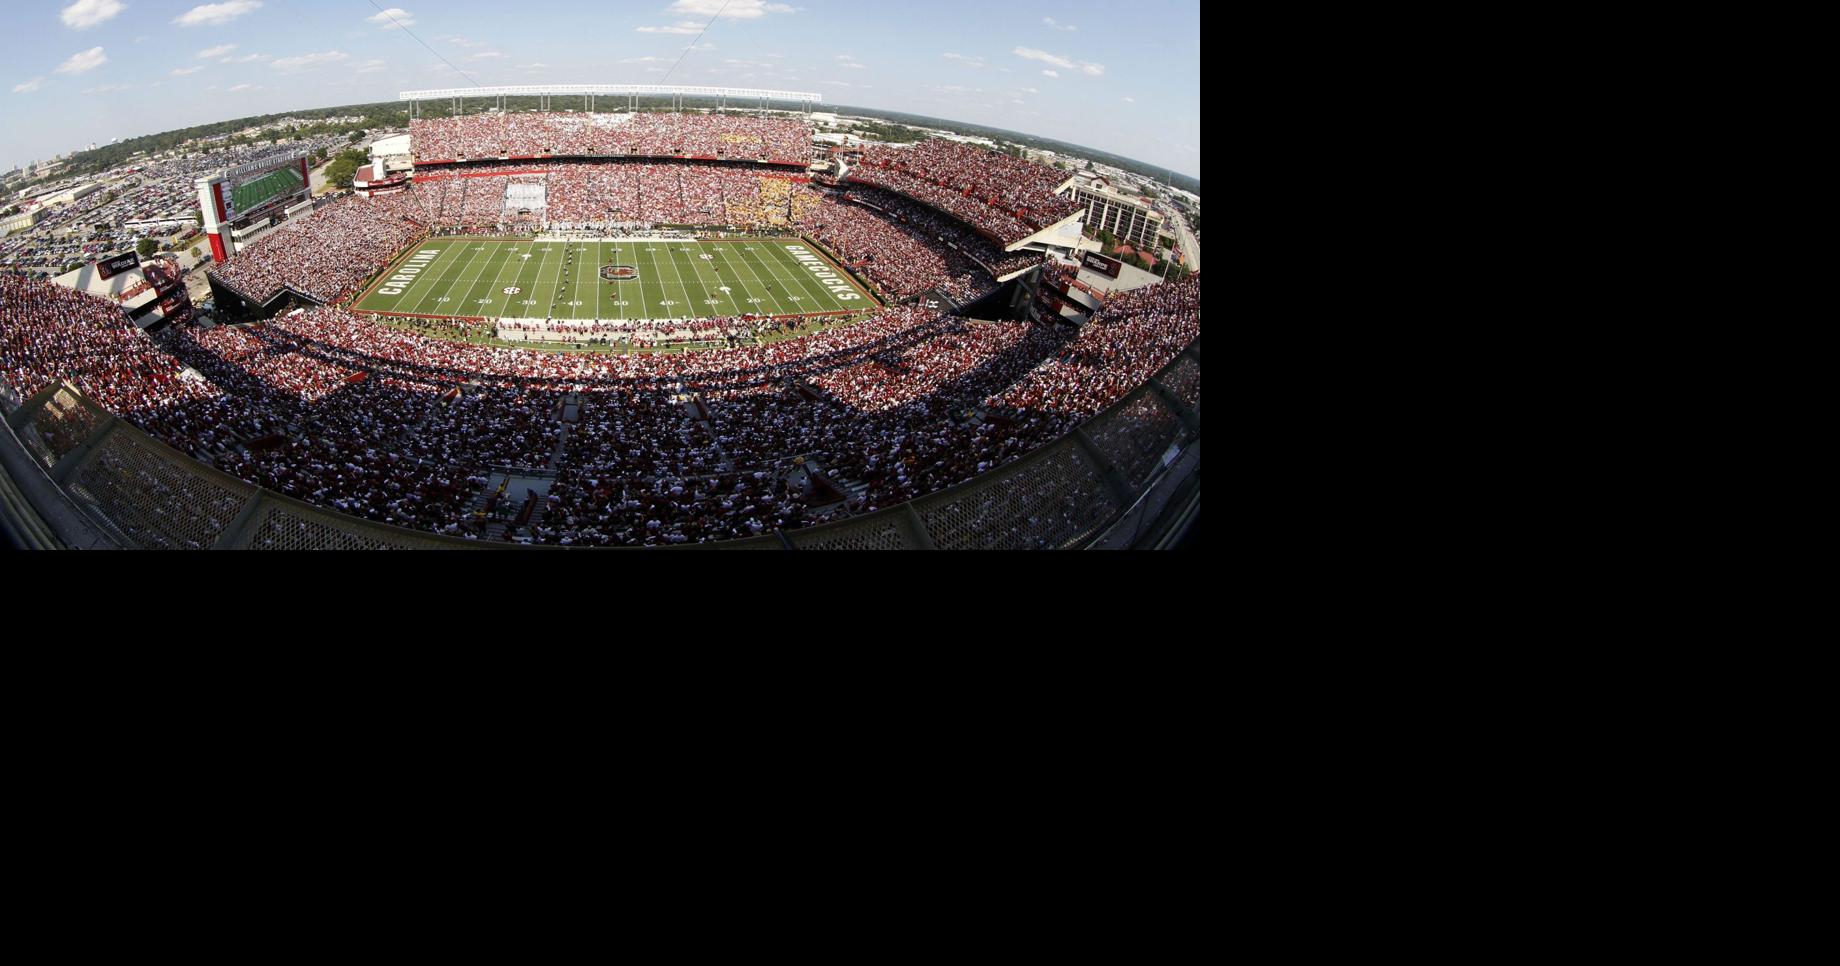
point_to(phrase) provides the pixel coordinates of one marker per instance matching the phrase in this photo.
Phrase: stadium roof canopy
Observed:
(520, 90)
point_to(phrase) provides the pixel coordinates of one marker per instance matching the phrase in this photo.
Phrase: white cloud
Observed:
(685, 27)
(87, 13)
(463, 42)
(1050, 73)
(1030, 53)
(392, 18)
(487, 55)
(249, 87)
(1050, 21)
(644, 60)
(1130, 100)
(212, 14)
(108, 88)
(182, 71)
(309, 60)
(245, 59)
(701, 47)
(1064, 63)
(87, 60)
(29, 86)
(371, 67)
(731, 10)
(217, 51)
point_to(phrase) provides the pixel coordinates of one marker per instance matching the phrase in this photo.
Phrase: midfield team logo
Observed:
(619, 273)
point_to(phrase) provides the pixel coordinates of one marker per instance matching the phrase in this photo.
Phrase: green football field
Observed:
(613, 279)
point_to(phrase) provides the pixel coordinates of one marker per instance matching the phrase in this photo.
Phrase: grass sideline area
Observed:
(628, 278)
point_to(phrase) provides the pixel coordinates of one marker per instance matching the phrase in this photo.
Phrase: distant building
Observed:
(1129, 219)
(24, 219)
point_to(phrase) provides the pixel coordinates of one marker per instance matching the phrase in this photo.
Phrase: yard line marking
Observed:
(494, 292)
(439, 287)
(465, 302)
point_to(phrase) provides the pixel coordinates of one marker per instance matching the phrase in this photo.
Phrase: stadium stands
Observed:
(689, 135)
(326, 255)
(1006, 198)
(397, 427)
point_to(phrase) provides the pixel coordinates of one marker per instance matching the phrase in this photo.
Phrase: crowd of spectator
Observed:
(327, 254)
(568, 134)
(51, 332)
(898, 258)
(578, 196)
(399, 427)
(1134, 335)
(1005, 197)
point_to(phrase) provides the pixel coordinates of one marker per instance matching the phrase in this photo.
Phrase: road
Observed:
(1191, 246)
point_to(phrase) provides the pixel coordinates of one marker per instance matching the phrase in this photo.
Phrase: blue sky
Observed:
(1124, 78)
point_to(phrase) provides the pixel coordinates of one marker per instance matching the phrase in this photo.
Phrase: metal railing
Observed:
(145, 494)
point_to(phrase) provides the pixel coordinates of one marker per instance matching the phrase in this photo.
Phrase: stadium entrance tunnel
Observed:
(233, 306)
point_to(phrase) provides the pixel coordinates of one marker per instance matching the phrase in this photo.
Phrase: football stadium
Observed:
(568, 315)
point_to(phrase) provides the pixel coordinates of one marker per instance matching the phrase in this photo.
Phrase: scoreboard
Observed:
(235, 196)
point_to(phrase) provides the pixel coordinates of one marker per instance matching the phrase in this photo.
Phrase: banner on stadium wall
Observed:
(1108, 267)
(110, 267)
